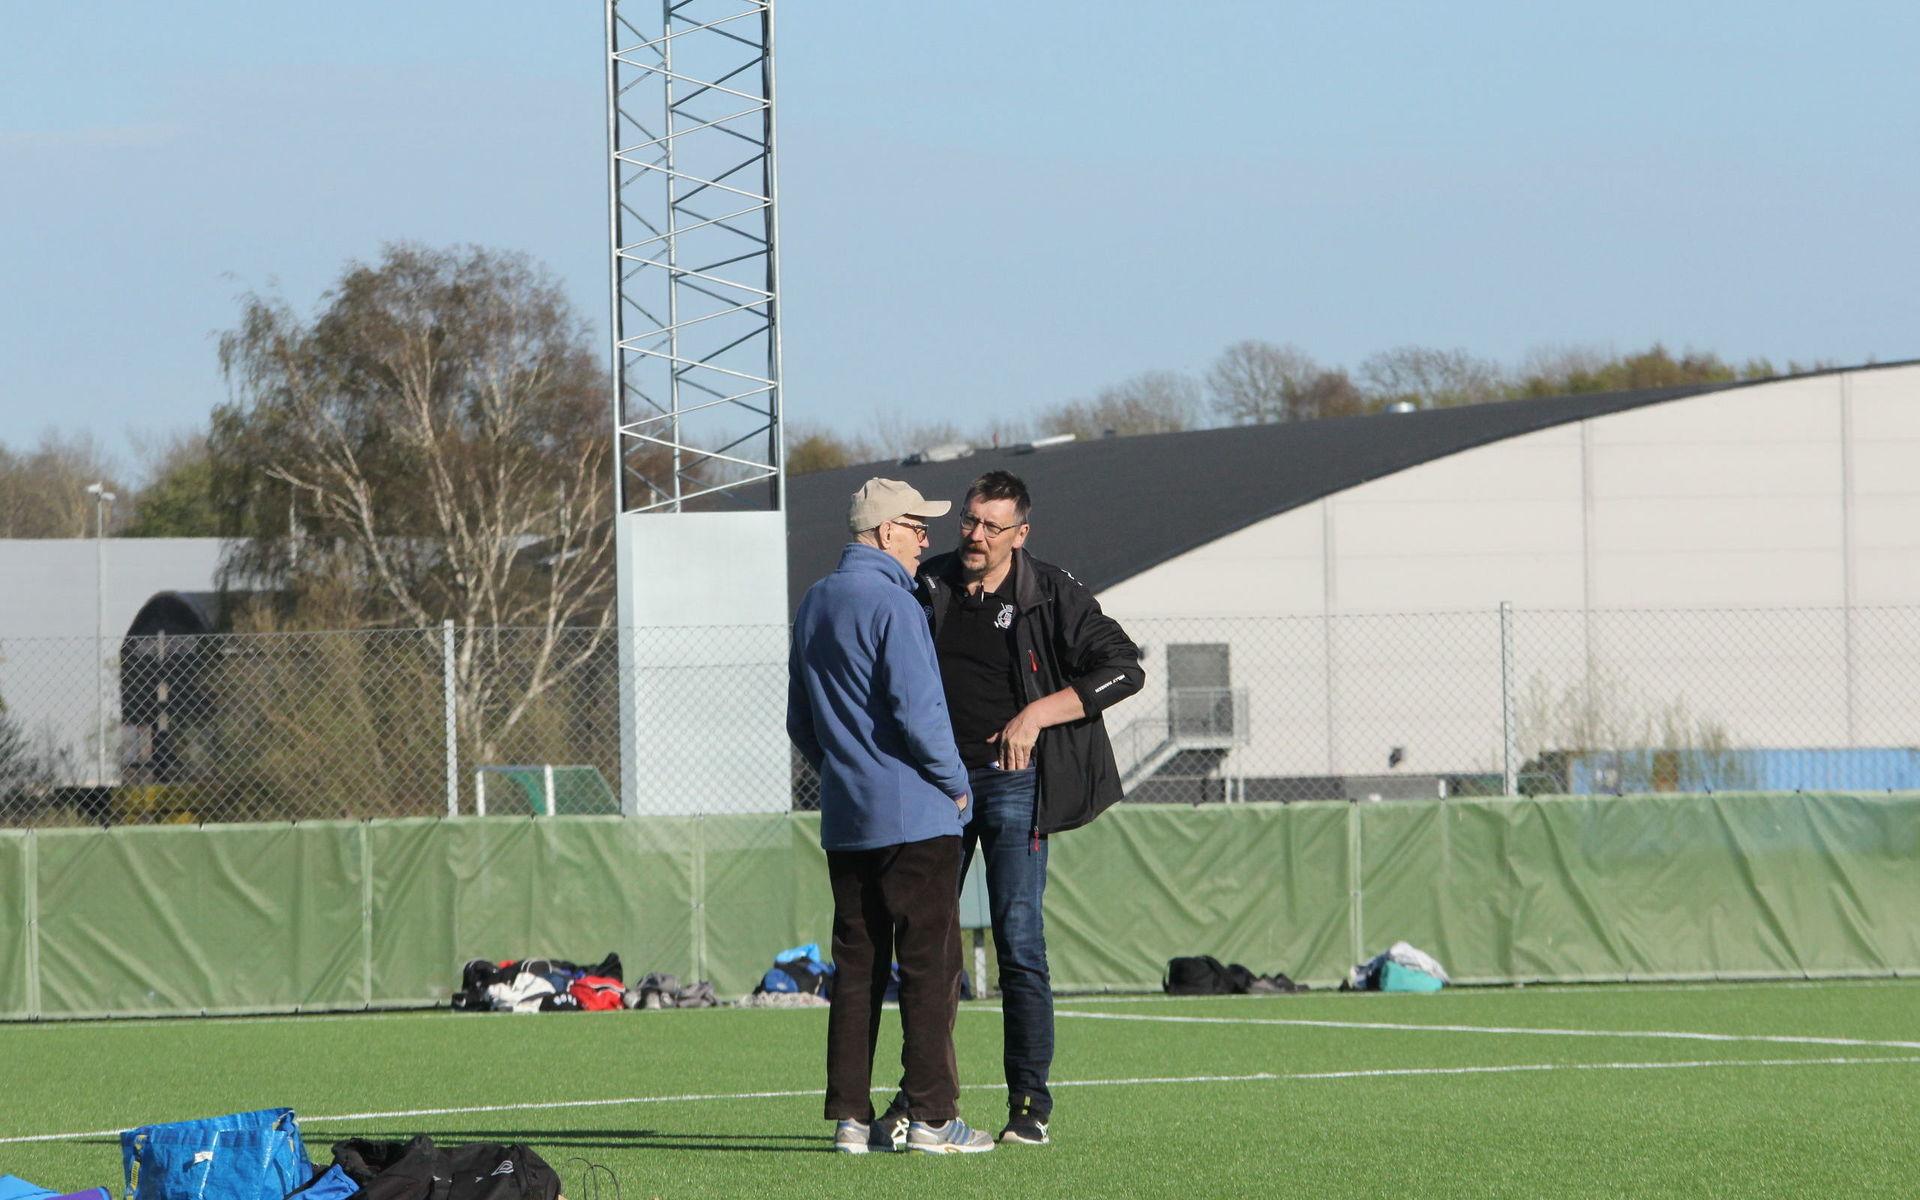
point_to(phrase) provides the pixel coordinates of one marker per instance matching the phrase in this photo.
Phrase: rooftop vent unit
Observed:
(946, 452)
(1058, 439)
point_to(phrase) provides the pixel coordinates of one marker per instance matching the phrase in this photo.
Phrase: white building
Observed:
(61, 621)
(1704, 569)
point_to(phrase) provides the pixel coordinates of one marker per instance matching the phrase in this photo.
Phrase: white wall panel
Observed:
(1885, 704)
(1886, 405)
(1684, 469)
(1269, 568)
(1534, 466)
(1715, 524)
(1682, 578)
(1732, 501)
(1370, 528)
(1454, 582)
(1797, 410)
(1428, 684)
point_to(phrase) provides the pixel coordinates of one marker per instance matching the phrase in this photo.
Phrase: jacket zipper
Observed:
(1033, 831)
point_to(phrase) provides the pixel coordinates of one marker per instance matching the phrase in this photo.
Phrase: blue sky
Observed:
(986, 206)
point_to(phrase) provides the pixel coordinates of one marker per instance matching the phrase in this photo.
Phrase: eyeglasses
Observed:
(923, 532)
(969, 523)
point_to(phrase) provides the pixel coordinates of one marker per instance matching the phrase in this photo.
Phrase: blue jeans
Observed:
(1001, 828)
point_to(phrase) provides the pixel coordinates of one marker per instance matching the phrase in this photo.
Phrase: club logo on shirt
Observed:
(1005, 619)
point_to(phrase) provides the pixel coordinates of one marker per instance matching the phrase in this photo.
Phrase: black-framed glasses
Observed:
(969, 523)
(923, 532)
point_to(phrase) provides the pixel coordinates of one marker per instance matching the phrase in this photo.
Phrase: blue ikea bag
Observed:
(242, 1156)
(12, 1187)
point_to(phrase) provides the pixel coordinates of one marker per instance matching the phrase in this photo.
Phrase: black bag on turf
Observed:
(420, 1170)
(1200, 975)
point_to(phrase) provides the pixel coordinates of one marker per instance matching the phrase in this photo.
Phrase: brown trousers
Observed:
(897, 902)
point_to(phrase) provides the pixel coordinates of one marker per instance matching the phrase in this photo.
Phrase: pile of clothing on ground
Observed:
(799, 978)
(260, 1156)
(1205, 975)
(1399, 968)
(556, 985)
(662, 990)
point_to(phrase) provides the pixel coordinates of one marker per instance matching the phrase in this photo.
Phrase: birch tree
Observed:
(433, 442)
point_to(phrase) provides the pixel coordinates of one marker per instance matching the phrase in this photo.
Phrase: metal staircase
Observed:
(1189, 740)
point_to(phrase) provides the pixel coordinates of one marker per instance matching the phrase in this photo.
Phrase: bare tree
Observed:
(1003, 431)
(1328, 394)
(895, 435)
(43, 492)
(1631, 740)
(1256, 383)
(436, 441)
(813, 448)
(1552, 370)
(1150, 402)
(1430, 378)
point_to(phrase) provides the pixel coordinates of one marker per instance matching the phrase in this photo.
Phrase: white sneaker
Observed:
(947, 1137)
(852, 1137)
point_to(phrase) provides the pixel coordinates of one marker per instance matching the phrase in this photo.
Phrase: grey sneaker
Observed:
(947, 1137)
(890, 1131)
(852, 1137)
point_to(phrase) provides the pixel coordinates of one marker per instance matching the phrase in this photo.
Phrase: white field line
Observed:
(441, 1013)
(1511, 989)
(1387, 1072)
(189, 1021)
(1139, 1081)
(1402, 1026)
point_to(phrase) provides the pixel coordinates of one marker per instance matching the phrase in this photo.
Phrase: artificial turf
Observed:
(1252, 1098)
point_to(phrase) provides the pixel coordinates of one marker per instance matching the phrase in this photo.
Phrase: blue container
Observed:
(1858, 769)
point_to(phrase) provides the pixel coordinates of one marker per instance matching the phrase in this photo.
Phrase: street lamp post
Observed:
(102, 503)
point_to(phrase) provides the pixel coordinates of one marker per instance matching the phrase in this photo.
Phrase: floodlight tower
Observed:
(700, 477)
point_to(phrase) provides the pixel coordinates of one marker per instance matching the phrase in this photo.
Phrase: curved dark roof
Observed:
(177, 613)
(1111, 509)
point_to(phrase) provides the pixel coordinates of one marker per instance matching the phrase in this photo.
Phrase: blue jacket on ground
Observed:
(865, 706)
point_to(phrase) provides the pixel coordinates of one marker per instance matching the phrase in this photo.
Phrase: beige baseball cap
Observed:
(881, 500)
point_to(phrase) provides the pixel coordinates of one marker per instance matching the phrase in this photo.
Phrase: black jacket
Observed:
(1061, 639)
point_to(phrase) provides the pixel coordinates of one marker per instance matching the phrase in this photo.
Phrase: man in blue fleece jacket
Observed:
(865, 706)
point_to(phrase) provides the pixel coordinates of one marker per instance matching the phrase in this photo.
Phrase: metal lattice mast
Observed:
(696, 359)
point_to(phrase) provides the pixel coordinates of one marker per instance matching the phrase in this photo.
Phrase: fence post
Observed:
(31, 907)
(698, 926)
(1356, 901)
(453, 737)
(1510, 767)
(366, 915)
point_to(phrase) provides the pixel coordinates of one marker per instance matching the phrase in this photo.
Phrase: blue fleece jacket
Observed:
(865, 706)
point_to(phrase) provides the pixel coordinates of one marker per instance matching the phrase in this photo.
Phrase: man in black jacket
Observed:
(1028, 662)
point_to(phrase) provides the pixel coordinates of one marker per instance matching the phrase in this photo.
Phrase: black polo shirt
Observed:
(976, 669)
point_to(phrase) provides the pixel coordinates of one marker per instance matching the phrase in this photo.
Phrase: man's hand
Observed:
(960, 802)
(1017, 739)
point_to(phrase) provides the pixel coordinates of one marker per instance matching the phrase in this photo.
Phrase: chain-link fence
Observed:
(257, 727)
